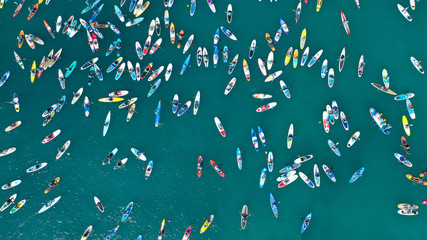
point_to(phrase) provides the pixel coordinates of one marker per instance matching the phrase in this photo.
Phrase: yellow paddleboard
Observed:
(288, 56)
(406, 125)
(270, 42)
(415, 179)
(406, 205)
(246, 70)
(295, 58)
(319, 5)
(21, 35)
(130, 112)
(142, 10)
(111, 99)
(51, 187)
(162, 230)
(207, 224)
(33, 72)
(181, 33)
(303, 38)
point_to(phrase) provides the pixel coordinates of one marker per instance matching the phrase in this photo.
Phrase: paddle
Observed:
(343, 23)
(344, 58)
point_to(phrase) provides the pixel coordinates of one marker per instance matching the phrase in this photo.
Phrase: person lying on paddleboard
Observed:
(52, 184)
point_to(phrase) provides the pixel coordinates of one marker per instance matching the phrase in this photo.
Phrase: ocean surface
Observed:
(366, 209)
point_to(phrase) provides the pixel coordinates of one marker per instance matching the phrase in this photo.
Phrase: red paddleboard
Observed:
(199, 166)
(405, 145)
(217, 168)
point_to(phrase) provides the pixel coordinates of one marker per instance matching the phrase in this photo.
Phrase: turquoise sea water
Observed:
(365, 209)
